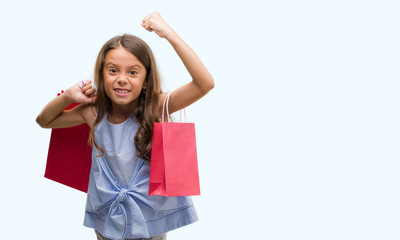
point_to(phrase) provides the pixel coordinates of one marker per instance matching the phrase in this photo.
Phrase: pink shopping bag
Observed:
(173, 166)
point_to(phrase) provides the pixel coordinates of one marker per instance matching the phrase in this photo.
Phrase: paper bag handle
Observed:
(165, 105)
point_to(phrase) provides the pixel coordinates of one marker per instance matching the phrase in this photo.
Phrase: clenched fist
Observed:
(154, 22)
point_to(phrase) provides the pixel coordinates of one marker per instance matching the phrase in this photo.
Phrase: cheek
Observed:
(137, 84)
(109, 80)
(108, 85)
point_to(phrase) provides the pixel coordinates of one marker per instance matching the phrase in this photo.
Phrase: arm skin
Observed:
(202, 81)
(53, 114)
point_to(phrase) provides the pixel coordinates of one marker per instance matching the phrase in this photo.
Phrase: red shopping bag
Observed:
(173, 166)
(69, 156)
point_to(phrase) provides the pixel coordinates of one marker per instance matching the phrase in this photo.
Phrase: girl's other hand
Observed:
(154, 22)
(86, 94)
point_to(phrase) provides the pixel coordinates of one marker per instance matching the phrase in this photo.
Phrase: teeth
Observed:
(122, 91)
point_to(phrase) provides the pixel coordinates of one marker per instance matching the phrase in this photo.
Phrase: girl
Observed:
(121, 114)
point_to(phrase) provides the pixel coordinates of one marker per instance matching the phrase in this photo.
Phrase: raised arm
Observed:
(53, 114)
(202, 81)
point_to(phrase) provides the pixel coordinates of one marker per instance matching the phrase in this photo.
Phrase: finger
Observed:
(89, 98)
(90, 92)
(145, 19)
(147, 26)
(86, 82)
(87, 87)
(94, 99)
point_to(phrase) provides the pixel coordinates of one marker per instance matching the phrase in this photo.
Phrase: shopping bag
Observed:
(69, 156)
(173, 165)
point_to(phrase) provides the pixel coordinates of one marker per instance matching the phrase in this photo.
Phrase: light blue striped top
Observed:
(118, 205)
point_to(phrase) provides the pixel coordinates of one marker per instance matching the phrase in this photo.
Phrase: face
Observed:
(124, 76)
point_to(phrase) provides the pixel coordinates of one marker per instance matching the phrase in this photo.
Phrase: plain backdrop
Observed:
(299, 139)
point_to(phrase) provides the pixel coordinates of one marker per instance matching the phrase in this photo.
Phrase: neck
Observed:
(119, 113)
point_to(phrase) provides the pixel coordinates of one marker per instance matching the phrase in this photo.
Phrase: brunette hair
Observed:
(147, 106)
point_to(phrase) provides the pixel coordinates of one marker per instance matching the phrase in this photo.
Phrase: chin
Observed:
(123, 102)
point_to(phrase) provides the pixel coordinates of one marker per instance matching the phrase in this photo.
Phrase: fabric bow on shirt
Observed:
(116, 222)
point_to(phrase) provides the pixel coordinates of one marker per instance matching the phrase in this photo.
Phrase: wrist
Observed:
(171, 36)
(68, 96)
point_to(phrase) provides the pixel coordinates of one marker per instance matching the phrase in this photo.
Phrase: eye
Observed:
(112, 70)
(132, 72)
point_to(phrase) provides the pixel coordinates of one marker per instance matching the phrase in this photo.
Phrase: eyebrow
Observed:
(136, 65)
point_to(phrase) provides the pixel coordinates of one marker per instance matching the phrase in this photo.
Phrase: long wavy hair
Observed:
(147, 106)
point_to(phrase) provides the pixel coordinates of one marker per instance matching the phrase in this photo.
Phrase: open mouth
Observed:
(122, 92)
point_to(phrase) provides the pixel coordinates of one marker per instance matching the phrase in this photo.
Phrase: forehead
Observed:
(121, 57)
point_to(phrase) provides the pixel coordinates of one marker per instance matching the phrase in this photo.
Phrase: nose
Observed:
(122, 79)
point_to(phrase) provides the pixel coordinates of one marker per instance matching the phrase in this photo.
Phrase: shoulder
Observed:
(88, 112)
(160, 103)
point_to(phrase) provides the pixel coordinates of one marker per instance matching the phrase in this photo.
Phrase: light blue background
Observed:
(298, 140)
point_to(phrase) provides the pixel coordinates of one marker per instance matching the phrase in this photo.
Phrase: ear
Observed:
(144, 86)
